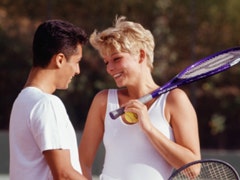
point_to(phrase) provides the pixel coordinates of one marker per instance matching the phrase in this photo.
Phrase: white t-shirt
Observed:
(38, 122)
(129, 153)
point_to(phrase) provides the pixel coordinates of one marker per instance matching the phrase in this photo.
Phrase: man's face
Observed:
(69, 69)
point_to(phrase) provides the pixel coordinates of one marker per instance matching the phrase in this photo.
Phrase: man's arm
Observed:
(60, 165)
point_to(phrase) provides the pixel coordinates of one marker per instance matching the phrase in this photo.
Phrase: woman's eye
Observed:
(117, 58)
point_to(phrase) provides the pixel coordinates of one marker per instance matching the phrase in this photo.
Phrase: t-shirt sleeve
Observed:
(48, 123)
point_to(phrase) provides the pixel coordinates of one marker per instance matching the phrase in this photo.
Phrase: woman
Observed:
(166, 134)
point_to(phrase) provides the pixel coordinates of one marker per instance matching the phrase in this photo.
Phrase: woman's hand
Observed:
(140, 109)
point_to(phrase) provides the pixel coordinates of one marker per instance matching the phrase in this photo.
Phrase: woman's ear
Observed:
(142, 55)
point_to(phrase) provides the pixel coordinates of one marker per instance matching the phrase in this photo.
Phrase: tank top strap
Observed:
(112, 96)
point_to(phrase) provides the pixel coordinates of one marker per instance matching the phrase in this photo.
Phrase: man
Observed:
(43, 142)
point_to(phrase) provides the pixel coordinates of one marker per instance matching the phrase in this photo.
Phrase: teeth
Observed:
(117, 75)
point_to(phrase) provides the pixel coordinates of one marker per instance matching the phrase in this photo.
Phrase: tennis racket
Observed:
(208, 169)
(203, 68)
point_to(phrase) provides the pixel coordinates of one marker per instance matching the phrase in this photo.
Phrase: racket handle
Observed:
(116, 113)
(146, 98)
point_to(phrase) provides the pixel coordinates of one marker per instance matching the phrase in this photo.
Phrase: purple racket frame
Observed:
(178, 80)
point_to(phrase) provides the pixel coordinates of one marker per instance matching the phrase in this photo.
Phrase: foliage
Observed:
(184, 31)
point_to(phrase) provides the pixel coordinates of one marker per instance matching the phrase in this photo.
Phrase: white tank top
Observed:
(129, 153)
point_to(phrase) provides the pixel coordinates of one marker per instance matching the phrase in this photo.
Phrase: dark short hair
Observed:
(53, 37)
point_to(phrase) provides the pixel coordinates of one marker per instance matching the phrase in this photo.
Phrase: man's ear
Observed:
(59, 59)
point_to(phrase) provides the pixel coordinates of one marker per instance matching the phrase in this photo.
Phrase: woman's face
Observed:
(123, 67)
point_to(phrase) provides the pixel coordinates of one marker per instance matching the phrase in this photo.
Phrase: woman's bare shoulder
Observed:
(176, 95)
(101, 95)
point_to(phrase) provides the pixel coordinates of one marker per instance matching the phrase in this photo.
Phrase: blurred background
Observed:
(184, 30)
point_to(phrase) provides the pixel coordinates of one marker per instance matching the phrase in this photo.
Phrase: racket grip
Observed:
(116, 113)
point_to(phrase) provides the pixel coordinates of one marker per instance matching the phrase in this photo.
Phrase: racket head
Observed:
(211, 169)
(211, 65)
(201, 69)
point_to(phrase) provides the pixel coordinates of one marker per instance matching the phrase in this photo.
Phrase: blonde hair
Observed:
(124, 36)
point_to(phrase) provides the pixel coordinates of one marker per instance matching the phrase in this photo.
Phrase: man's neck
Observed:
(41, 78)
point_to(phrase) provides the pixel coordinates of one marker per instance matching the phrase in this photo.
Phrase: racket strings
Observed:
(211, 64)
(216, 171)
(207, 171)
